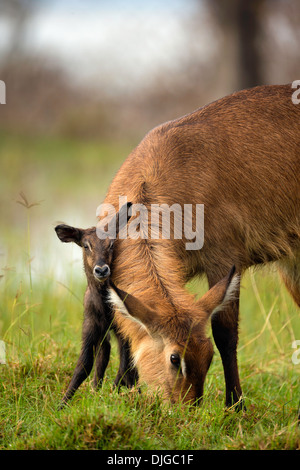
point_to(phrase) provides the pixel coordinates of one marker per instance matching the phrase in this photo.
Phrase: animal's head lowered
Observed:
(174, 358)
(97, 252)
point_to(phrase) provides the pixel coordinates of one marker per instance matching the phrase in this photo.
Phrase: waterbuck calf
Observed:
(240, 158)
(98, 315)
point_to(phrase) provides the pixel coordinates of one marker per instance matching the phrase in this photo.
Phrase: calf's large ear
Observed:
(120, 219)
(67, 234)
(124, 210)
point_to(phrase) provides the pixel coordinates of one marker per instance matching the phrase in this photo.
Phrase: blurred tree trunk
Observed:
(249, 33)
(240, 22)
(17, 12)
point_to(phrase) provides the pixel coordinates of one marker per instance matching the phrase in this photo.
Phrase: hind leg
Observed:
(102, 360)
(127, 374)
(290, 273)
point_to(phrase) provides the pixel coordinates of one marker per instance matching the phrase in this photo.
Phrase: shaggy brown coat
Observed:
(240, 157)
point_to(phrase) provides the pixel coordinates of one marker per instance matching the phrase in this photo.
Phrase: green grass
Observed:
(40, 322)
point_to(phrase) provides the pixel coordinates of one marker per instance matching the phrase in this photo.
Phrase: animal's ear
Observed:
(221, 294)
(135, 309)
(121, 219)
(69, 234)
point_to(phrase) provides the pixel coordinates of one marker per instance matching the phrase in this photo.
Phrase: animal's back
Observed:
(240, 157)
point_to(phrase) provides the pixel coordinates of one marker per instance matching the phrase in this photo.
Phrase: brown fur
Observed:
(240, 157)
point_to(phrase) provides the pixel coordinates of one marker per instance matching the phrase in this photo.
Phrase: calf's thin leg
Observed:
(102, 359)
(127, 374)
(91, 335)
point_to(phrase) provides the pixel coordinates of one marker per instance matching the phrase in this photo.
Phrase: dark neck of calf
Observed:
(96, 305)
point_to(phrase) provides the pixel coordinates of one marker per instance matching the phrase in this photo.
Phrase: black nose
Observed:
(101, 272)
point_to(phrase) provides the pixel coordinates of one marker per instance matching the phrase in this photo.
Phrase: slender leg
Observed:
(102, 359)
(90, 338)
(127, 374)
(225, 333)
(290, 273)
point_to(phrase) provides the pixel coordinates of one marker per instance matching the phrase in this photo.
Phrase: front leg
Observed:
(92, 332)
(225, 333)
(90, 338)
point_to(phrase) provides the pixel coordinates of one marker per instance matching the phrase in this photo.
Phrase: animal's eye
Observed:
(175, 360)
(86, 246)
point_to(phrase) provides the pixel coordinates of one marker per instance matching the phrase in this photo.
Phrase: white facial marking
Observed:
(183, 367)
(137, 354)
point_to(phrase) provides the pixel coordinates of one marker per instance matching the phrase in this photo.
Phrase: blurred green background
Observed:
(85, 80)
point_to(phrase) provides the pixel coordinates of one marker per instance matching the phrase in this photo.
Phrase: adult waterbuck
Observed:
(240, 158)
